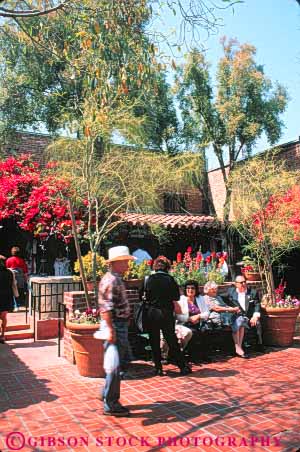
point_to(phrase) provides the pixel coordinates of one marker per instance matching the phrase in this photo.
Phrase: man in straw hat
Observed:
(115, 312)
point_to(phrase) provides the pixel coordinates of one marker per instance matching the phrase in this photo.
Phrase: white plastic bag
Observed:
(111, 358)
(103, 332)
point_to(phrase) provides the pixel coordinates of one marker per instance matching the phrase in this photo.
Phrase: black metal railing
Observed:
(62, 314)
(46, 297)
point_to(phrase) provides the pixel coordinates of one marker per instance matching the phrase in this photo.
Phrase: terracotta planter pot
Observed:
(133, 283)
(279, 325)
(88, 351)
(252, 276)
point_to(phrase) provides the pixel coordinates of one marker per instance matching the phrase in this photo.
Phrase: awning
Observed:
(172, 220)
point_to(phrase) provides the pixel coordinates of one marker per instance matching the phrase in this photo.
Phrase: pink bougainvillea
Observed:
(35, 199)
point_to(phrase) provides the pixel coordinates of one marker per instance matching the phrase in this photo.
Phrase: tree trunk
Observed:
(227, 235)
(94, 263)
(78, 252)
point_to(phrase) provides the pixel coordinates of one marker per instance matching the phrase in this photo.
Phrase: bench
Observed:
(218, 340)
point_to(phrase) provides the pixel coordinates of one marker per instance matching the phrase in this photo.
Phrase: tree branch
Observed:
(5, 12)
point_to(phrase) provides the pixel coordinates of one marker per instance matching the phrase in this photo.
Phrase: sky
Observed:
(273, 27)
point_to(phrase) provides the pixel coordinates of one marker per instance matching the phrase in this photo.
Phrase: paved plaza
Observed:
(227, 405)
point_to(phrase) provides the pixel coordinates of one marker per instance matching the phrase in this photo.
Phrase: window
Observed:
(174, 203)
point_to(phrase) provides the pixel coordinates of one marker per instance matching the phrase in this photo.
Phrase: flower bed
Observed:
(199, 268)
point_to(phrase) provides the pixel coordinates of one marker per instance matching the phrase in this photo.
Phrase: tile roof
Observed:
(172, 220)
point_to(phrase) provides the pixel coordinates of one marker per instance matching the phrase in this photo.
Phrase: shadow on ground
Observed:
(19, 386)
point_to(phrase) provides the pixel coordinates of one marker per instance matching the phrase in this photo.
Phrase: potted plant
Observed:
(136, 273)
(197, 268)
(250, 269)
(279, 318)
(88, 351)
(267, 211)
(87, 262)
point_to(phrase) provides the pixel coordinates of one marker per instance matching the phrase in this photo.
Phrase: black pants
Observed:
(161, 320)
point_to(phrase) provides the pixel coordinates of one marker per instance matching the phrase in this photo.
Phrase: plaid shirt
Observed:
(112, 296)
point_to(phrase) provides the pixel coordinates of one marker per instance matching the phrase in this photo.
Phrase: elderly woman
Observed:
(220, 313)
(223, 314)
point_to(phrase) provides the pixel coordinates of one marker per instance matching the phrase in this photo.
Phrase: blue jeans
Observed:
(111, 390)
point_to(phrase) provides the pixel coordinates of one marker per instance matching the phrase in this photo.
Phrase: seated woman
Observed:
(194, 311)
(222, 314)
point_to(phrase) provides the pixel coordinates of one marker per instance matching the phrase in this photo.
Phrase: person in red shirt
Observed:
(15, 261)
(18, 265)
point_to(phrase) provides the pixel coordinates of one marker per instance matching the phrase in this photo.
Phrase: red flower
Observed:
(199, 257)
(179, 257)
(189, 249)
(208, 259)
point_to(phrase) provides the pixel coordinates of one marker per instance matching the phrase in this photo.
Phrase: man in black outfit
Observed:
(162, 293)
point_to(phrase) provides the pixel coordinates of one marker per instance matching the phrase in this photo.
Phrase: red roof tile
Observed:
(172, 220)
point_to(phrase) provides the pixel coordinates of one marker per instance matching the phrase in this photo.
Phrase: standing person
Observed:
(8, 289)
(140, 254)
(115, 312)
(62, 265)
(162, 293)
(20, 269)
(246, 299)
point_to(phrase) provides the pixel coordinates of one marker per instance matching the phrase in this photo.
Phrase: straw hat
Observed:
(119, 253)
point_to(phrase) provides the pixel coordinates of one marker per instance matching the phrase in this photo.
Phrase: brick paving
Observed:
(228, 400)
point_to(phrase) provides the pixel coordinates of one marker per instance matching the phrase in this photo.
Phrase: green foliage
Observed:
(215, 276)
(58, 60)
(160, 233)
(245, 105)
(87, 261)
(137, 271)
(250, 262)
(181, 273)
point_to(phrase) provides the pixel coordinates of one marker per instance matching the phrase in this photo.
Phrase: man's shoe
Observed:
(185, 370)
(119, 411)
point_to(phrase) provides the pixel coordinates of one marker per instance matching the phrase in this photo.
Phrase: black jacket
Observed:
(162, 290)
(252, 303)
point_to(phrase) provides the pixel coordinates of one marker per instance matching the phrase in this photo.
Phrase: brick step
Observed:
(17, 335)
(17, 327)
